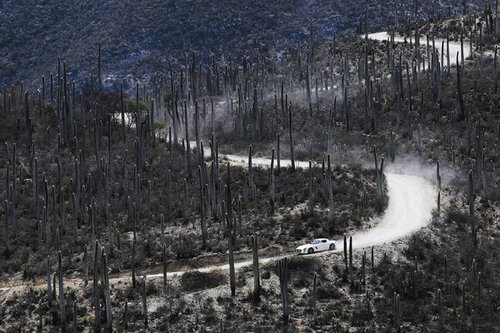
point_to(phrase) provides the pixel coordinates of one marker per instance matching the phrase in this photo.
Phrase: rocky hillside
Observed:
(141, 37)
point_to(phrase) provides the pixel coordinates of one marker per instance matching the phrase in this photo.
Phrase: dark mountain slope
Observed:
(140, 37)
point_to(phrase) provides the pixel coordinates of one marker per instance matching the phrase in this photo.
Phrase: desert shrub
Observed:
(196, 280)
(186, 247)
(459, 218)
(304, 264)
(328, 291)
(417, 246)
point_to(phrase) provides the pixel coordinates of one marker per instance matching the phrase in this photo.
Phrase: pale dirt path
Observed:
(455, 47)
(411, 200)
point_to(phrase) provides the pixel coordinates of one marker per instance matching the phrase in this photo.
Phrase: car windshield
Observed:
(316, 241)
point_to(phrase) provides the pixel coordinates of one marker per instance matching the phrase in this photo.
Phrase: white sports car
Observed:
(317, 245)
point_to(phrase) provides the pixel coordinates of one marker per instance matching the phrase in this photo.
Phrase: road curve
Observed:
(411, 200)
(454, 47)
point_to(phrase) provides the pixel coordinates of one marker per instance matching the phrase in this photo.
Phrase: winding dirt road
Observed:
(411, 200)
(454, 47)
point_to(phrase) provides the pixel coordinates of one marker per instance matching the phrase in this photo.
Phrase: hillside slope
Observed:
(140, 37)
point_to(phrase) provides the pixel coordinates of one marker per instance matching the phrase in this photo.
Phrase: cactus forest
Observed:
(159, 177)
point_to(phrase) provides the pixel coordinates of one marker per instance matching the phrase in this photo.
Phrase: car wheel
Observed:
(311, 250)
(332, 247)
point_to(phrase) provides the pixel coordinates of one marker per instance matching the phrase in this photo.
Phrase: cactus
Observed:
(283, 276)
(96, 296)
(463, 295)
(345, 252)
(331, 204)
(471, 198)
(62, 306)
(85, 266)
(54, 288)
(438, 175)
(397, 312)
(292, 154)
(256, 273)
(188, 149)
(478, 285)
(363, 268)
(315, 309)
(232, 278)
(125, 315)
(6, 226)
(379, 173)
(250, 173)
(278, 156)
(49, 288)
(164, 262)
(495, 66)
(439, 300)
(439, 203)
(75, 318)
(460, 97)
(453, 294)
(144, 302)
(110, 234)
(109, 314)
(350, 262)
(196, 132)
(308, 88)
(202, 209)
(133, 264)
(271, 185)
(311, 198)
(122, 112)
(40, 317)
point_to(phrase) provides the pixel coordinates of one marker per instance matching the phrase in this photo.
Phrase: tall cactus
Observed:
(397, 312)
(471, 207)
(109, 314)
(133, 264)
(49, 288)
(283, 276)
(232, 278)
(439, 300)
(331, 203)
(256, 273)
(144, 302)
(271, 185)
(292, 153)
(188, 149)
(379, 173)
(351, 273)
(438, 175)
(75, 318)
(96, 296)
(345, 252)
(308, 88)
(315, 309)
(311, 195)
(250, 172)
(62, 306)
(278, 155)
(40, 317)
(164, 262)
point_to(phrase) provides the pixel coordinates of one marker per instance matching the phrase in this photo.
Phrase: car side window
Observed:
(323, 241)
